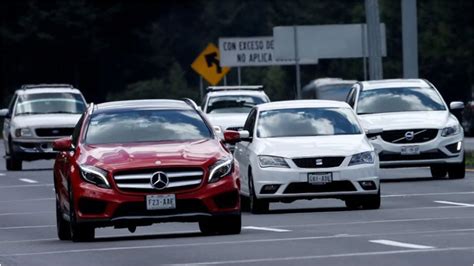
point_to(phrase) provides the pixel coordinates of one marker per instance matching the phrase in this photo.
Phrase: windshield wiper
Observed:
(61, 112)
(29, 113)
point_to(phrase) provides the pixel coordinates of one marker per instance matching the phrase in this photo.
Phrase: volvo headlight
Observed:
(94, 175)
(272, 161)
(451, 130)
(362, 158)
(220, 169)
(23, 132)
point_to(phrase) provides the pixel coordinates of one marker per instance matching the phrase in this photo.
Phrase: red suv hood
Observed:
(113, 157)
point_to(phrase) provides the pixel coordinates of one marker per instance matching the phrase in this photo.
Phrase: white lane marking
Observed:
(170, 246)
(27, 240)
(2, 174)
(372, 222)
(27, 180)
(340, 255)
(26, 227)
(32, 185)
(34, 200)
(454, 203)
(429, 233)
(266, 229)
(427, 194)
(24, 213)
(399, 244)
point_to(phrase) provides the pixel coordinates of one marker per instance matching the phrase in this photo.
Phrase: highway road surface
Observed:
(421, 222)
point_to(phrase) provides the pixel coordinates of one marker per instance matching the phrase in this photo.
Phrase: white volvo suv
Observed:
(305, 149)
(418, 128)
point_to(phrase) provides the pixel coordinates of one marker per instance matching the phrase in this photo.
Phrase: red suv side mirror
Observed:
(62, 144)
(231, 136)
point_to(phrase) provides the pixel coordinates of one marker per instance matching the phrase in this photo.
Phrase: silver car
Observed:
(37, 115)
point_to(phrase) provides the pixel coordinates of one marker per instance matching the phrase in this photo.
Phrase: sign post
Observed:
(207, 64)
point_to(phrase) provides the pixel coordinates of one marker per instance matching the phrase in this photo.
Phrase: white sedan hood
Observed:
(295, 147)
(227, 120)
(405, 120)
(46, 120)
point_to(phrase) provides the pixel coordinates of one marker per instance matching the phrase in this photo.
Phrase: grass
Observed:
(470, 158)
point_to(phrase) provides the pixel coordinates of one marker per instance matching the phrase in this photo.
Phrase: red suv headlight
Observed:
(220, 169)
(94, 175)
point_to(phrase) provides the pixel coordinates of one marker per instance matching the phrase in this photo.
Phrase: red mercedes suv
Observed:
(134, 163)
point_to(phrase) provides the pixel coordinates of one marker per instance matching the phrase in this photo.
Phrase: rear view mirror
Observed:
(373, 132)
(456, 105)
(63, 144)
(3, 112)
(231, 136)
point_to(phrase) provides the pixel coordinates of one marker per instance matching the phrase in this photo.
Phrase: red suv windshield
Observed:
(146, 126)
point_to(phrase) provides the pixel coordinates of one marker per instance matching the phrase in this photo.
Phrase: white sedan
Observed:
(306, 149)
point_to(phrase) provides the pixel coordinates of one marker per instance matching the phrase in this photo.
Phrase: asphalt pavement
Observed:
(422, 221)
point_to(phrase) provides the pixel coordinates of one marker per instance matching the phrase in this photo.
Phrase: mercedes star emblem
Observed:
(159, 180)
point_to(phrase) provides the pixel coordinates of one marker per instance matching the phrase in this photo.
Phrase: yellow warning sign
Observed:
(207, 64)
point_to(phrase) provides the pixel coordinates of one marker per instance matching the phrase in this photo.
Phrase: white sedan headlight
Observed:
(451, 130)
(362, 158)
(272, 161)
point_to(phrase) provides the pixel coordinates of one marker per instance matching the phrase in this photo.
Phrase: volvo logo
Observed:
(319, 161)
(409, 135)
(159, 180)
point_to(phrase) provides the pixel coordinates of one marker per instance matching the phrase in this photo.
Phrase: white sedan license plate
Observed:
(410, 150)
(319, 178)
(160, 202)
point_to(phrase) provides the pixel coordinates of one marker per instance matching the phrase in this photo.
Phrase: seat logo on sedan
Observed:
(409, 135)
(319, 161)
(159, 180)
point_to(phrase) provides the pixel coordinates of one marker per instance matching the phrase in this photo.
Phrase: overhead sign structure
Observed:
(252, 51)
(207, 64)
(324, 41)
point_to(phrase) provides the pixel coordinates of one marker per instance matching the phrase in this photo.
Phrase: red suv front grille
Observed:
(140, 180)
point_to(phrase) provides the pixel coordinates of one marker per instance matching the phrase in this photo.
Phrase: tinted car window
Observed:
(399, 100)
(146, 126)
(233, 104)
(337, 92)
(49, 103)
(307, 122)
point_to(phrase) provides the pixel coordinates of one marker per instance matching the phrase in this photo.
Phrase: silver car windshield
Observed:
(389, 100)
(129, 126)
(50, 103)
(233, 103)
(307, 122)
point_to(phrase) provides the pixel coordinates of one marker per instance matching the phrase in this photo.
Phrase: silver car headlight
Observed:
(272, 161)
(220, 169)
(94, 175)
(451, 130)
(23, 132)
(362, 158)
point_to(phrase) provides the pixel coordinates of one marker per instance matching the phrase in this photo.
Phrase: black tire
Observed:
(369, 202)
(457, 170)
(372, 202)
(438, 171)
(12, 163)
(79, 232)
(229, 224)
(62, 226)
(256, 206)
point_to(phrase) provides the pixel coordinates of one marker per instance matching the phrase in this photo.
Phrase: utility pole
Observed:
(410, 39)
(374, 39)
